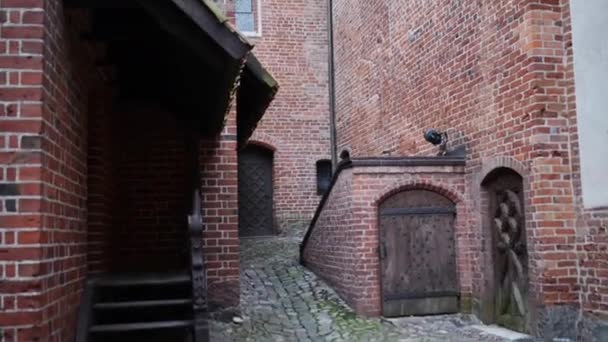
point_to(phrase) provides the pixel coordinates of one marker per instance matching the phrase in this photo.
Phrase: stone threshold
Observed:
(504, 333)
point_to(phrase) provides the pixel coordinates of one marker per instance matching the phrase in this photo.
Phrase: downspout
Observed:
(332, 86)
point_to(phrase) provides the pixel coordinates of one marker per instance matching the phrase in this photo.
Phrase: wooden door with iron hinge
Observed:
(417, 254)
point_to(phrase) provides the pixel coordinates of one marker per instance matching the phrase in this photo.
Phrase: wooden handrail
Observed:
(197, 269)
(200, 308)
(85, 312)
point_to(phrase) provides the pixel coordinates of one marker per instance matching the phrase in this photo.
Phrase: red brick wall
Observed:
(140, 196)
(150, 181)
(293, 47)
(43, 122)
(332, 249)
(153, 190)
(103, 199)
(20, 171)
(64, 169)
(498, 75)
(145, 173)
(219, 189)
(134, 191)
(343, 247)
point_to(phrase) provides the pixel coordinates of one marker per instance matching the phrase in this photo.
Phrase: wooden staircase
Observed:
(137, 307)
(167, 307)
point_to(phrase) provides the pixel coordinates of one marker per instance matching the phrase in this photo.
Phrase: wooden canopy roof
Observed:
(183, 54)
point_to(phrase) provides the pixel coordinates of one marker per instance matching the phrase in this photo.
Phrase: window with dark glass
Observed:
(323, 176)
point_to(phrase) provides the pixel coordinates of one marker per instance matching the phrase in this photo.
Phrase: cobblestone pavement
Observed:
(283, 301)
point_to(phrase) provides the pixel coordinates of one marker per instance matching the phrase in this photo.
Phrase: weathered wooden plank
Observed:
(418, 257)
(100, 4)
(430, 306)
(125, 327)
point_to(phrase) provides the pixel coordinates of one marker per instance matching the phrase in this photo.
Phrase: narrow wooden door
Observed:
(417, 254)
(255, 191)
(506, 225)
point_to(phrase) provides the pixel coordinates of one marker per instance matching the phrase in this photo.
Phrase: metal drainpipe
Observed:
(332, 86)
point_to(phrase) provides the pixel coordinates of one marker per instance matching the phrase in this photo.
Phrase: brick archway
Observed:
(435, 186)
(491, 164)
(264, 140)
(262, 144)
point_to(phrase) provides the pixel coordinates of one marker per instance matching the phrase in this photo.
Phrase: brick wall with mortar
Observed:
(343, 247)
(46, 80)
(149, 180)
(294, 47)
(219, 187)
(153, 188)
(498, 75)
(43, 123)
(102, 199)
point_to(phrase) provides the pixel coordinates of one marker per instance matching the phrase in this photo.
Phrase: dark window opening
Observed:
(323, 176)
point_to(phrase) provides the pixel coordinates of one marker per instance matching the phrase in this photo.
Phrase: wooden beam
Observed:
(227, 82)
(100, 4)
(177, 24)
(210, 21)
(256, 68)
(117, 36)
(104, 64)
(202, 16)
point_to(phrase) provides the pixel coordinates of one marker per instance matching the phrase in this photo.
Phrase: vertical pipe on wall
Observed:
(331, 85)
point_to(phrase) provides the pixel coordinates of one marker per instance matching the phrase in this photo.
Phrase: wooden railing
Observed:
(200, 308)
(85, 312)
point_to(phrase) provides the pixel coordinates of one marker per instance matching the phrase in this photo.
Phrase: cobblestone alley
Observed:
(283, 301)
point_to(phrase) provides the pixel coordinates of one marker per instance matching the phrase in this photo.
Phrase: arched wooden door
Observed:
(417, 254)
(255, 191)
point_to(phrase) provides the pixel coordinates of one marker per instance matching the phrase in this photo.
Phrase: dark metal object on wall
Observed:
(417, 253)
(255, 191)
(435, 137)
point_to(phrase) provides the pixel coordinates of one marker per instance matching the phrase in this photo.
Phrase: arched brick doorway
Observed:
(417, 252)
(255, 191)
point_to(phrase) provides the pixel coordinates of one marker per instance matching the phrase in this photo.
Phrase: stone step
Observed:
(504, 333)
(142, 326)
(142, 304)
(144, 279)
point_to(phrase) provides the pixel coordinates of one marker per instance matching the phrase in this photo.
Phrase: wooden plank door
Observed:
(417, 253)
(255, 192)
